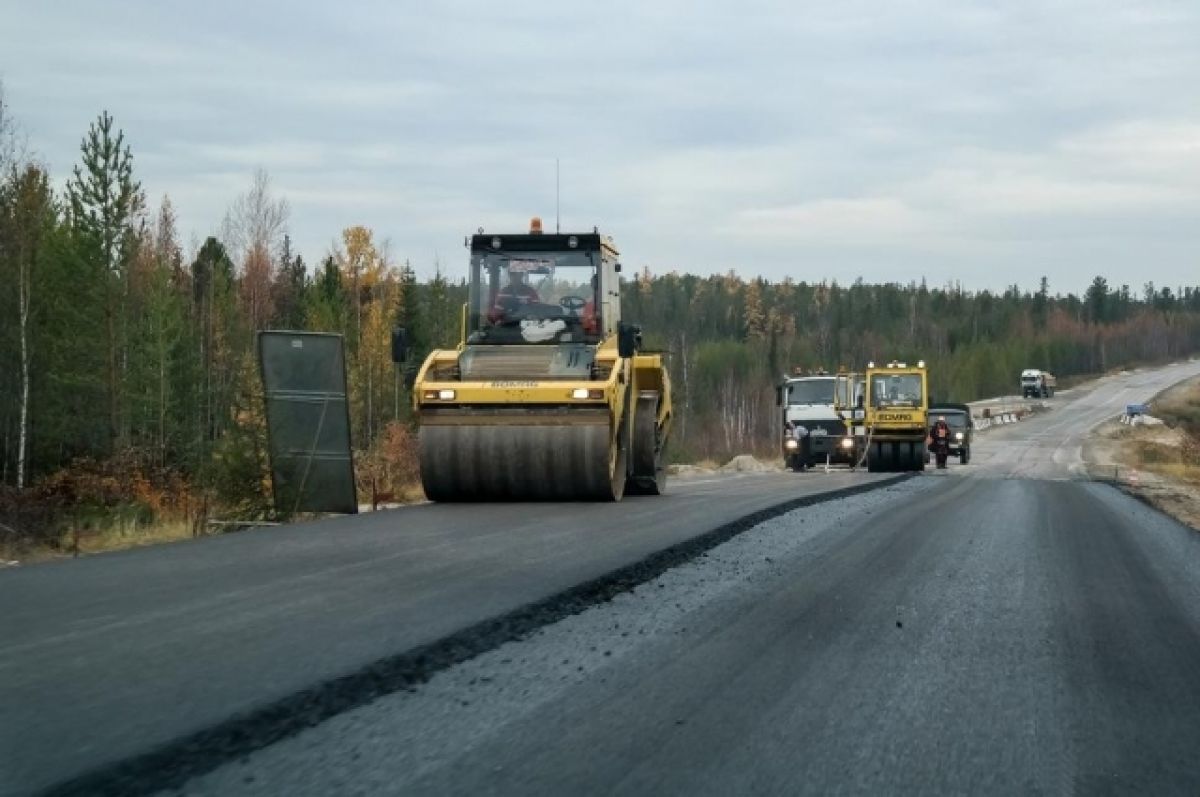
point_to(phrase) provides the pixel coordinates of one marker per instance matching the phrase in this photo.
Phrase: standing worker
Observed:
(939, 437)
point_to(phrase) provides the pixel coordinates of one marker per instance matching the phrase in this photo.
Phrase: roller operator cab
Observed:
(815, 424)
(548, 395)
(897, 404)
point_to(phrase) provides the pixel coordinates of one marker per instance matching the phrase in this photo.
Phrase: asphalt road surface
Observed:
(1050, 446)
(113, 656)
(999, 627)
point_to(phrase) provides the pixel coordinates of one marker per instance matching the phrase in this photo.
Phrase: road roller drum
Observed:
(494, 461)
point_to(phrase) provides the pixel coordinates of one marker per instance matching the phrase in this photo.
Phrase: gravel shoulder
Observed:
(1151, 461)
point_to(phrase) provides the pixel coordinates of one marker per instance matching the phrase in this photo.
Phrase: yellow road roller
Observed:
(897, 405)
(548, 395)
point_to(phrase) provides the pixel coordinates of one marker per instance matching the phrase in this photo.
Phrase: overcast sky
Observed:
(989, 143)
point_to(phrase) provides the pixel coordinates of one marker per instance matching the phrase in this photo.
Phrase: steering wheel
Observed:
(572, 304)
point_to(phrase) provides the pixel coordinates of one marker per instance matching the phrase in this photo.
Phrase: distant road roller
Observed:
(897, 408)
(548, 395)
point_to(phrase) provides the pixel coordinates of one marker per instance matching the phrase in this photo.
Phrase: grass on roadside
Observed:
(126, 534)
(1181, 410)
(1173, 449)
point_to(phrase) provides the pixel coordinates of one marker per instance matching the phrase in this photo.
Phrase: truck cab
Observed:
(1037, 384)
(815, 429)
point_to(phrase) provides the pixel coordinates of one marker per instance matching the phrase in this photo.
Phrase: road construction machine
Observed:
(549, 394)
(897, 408)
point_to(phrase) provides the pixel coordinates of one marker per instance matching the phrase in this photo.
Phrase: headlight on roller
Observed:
(847, 442)
(790, 444)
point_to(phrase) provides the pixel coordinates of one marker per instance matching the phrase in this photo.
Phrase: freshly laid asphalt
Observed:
(944, 636)
(113, 656)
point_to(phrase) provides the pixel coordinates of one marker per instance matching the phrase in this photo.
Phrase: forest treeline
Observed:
(731, 340)
(129, 390)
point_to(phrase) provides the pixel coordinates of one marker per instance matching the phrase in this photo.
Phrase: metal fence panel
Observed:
(308, 421)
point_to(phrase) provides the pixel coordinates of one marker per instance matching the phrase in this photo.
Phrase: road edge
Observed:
(173, 764)
(1139, 492)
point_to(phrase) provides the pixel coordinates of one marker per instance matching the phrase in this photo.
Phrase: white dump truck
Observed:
(1037, 384)
(816, 427)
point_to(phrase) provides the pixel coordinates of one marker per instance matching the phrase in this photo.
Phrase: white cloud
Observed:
(871, 221)
(921, 137)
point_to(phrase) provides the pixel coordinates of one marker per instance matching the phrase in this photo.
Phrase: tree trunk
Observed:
(162, 399)
(23, 438)
(113, 411)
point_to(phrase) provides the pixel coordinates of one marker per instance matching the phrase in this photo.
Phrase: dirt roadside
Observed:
(1158, 460)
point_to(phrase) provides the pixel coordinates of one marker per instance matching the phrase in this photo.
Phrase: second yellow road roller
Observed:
(897, 405)
(549, 395)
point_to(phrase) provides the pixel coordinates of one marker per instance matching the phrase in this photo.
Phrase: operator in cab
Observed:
(518, 290)
(517, 293)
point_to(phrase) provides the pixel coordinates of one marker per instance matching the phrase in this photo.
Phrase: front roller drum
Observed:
(526, 462)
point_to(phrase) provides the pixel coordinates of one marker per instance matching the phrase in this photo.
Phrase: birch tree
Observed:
(27, 218)
(254, 227)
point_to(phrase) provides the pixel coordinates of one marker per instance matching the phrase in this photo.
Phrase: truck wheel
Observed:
(965, 456)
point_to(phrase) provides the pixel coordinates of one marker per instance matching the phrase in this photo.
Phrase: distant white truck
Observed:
(1037, 384)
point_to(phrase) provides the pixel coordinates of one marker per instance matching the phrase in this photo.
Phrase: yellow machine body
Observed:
(896, 412)
(539, 403)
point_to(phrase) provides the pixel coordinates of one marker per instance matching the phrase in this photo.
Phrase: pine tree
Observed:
(326, 305)
(217, 345)
(291, 283)
(105, 203)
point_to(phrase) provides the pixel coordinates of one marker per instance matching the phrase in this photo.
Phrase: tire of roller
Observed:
(649, 476)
